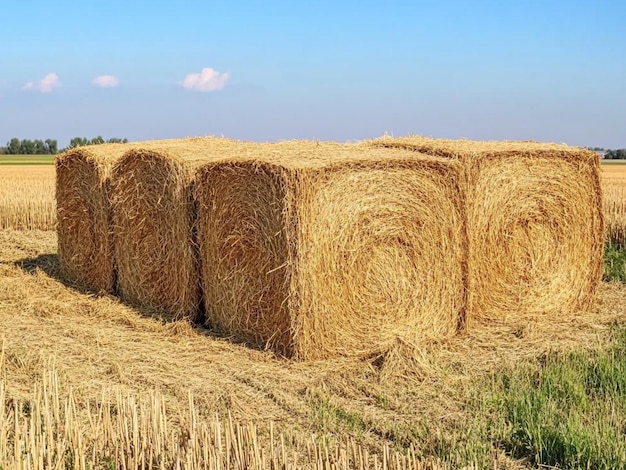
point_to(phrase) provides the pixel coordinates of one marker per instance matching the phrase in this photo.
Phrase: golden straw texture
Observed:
(614, 191)
(83, 213)
(534, 222)
(153, 218)
(319, 250)
(27, 197)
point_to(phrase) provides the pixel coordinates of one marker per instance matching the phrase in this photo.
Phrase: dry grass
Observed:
(27, 197)
(614, 190)
(98, 343)
(534, 221)
(319, 250)
(84, 215)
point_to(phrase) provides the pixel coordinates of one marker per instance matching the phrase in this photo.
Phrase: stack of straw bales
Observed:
(126, 220)
(83, 215)
(321, 249)
(534, 223)
(328, 249)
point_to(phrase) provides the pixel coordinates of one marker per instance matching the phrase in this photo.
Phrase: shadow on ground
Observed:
(49, 264)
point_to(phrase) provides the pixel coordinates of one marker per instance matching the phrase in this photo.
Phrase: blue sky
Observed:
(543, 70)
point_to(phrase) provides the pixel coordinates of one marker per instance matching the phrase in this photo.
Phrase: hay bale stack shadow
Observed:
(153, 224)
(534, 221)
(48, 263)
(83, 214)
(317, 251)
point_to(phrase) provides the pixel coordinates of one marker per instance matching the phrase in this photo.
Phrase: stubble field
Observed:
(614, 186)
(27, 197)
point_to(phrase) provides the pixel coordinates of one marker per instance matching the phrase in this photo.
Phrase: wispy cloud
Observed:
(105, 81)
(45, 85)
(207, 80)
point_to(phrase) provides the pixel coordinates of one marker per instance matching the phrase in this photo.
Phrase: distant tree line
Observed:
(16, 146)
(619, 154)
(83, 141)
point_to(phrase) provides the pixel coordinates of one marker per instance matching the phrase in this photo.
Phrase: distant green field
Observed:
(613, 162)
(26, 159)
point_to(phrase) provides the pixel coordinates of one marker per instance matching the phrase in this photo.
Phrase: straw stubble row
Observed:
(322, 249)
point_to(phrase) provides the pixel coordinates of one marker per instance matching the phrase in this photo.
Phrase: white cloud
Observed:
(207, 80)
(45, 85)
(106, 81)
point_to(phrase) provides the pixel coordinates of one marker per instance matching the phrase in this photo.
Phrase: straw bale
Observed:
(534, 223)
(320, 250)
(153, 219)
(83, 214)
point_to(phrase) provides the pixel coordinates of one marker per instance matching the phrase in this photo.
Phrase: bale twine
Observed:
(153, 219)
(83, 214)
(534, 222)
(325, 250)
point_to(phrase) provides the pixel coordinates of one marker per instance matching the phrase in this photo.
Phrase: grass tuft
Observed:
(614, 263)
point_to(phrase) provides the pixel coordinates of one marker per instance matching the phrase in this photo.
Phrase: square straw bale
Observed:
(83, 214)
(534, 221)
(321, 250)
(153, 222)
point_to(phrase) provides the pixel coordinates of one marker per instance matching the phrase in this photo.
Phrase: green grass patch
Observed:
(614, 263)
(26, 159)
(329, 416)
(568, 412)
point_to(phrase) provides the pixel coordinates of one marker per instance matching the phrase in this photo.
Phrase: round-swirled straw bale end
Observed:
(324, 250)
(534, 221)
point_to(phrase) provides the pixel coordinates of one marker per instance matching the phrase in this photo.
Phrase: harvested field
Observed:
(534, 222)
(27, 197)
(84, 215)
(47, 431)
(88, 382)
(97, 351)
(319, 250)
(614, 191)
